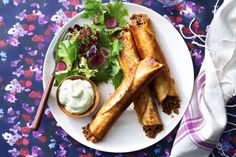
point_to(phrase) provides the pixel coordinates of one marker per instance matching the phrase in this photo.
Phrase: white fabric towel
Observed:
(205, 119)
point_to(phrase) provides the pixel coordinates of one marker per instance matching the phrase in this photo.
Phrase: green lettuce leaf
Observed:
(93, 8)
(59, 76)
(118, 10)
(111, 69)
(115, 66)
(116, 47)
(103, 74)
(116, 72)
(117, 79)
(84, 69)
(67, 51)
(104, 39)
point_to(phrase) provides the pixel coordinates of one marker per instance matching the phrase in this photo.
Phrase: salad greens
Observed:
(118, 11)
(93, 50)
(67, 51)
(84, 69)
(95, 10)
(111, 68)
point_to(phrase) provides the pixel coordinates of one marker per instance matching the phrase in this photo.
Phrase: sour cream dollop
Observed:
(77, 95)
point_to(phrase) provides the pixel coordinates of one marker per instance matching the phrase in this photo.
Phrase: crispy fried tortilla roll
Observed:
(129, 89)
(147, 45)
(144, 104)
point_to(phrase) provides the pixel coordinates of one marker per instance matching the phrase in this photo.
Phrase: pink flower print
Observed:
(3, 43)
(167, 152)
(35, 94)
(14, 87)
(42, 20)
(35, 5)
(60, 17)
(38, 38)
(39, 75)
(24, 152)
(33, 53)
(11, 120)
(18, 71)
(16, 2)
(35, 68)
(29, 61)
(74, 3)
(31, 17)
(41, 45)
(148, 3)
(13, 41)
(40, 61)
(10, 138)
(21, 16)
(190, 9)
(28, 108)
(14, 152)
(10, 97)
(187, 12)
(36, 134)
(28, 73)
(48, 113)
(10, 111)
(65, 3)
(36, 151)
(61, 133)
(2, 23)
(26, 117)
(10, 88)
(198, 56)
(25, 130)
(169, 139)
(55, 27)
(16, 128)
(61, 152)
(17, 30)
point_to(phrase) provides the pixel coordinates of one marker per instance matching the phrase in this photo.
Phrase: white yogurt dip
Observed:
(77, 95)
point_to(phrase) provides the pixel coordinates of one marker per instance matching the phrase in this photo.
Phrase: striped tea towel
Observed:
(205, 118)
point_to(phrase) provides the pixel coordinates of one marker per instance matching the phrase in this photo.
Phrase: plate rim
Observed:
(88, 144)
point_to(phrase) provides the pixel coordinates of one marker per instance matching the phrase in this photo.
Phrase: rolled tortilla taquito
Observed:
(148, 46)
(144, 104)
(117, 103)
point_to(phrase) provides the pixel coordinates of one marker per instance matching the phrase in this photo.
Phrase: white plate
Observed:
(126, 134)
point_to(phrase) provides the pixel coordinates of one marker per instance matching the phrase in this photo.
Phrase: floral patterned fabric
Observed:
(26, 30)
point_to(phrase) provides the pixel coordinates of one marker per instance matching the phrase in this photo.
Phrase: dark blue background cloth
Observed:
(26, 30)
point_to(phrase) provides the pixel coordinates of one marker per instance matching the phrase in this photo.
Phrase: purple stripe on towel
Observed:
(189, 119)
(192, 131)
(197, 125)
(200, 80)
(191, 125)
(186, 131)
